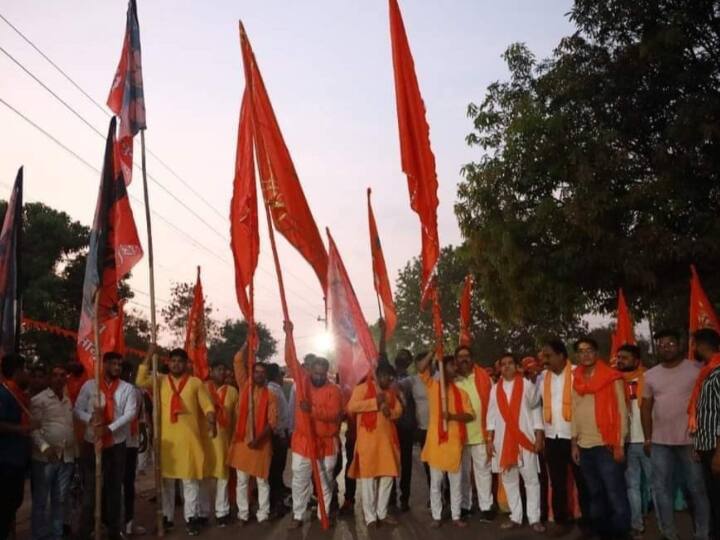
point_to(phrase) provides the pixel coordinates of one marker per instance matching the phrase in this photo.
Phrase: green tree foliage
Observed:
(232, 334)
(600, 167)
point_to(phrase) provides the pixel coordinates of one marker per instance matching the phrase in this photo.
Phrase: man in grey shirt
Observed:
(279, 441)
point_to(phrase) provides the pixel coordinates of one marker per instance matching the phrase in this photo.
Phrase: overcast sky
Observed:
(328, 70)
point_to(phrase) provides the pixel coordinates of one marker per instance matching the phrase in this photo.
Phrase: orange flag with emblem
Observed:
(380, 274)
(195, 340)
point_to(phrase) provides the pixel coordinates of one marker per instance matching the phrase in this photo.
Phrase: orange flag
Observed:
(624, 334)
(465, 319)
(355, 350)
(280, 184)
(380, 274)
(195, 341)
(702, 314)
(244, 237)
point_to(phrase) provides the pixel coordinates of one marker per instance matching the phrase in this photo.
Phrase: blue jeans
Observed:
(666, 460)
(49, 481)
(638, 465)
(605, 480)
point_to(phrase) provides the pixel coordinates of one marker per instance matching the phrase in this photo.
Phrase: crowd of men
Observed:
(547, 440)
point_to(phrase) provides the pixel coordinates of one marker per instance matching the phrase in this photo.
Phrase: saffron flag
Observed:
(244, 237)
(355, 350)
(624, 334)
(279, 182)
(465, 318)
(380, 275)
(114, 248)
(702, 313)
(10, 292)
(126, 97)
(195, 339)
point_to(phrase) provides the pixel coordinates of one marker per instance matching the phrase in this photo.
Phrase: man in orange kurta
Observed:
(377, 449)
(445, 440)
(323, 404)
(251, 451)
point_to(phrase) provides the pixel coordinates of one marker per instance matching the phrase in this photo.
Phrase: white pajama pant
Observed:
(191, 497)
(222, 501)
(375, 497)
(511, 482)
(302, 482)
(475, 465)
(436, 491)
(241, 494)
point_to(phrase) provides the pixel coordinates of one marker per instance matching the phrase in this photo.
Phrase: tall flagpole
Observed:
(153, 340)
(98, 406)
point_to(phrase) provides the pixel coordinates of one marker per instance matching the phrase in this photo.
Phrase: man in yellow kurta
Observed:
(224, 397)
(445, 440)
(183, 401)
(251, 448)
(377, 449)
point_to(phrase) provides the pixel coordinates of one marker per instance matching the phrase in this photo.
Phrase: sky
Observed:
(328, 70)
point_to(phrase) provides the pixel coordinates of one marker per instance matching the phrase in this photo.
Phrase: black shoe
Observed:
(223, 521)
(487, 516)
(465, 512)
(167, 524)
(203, 521)
(193, 527)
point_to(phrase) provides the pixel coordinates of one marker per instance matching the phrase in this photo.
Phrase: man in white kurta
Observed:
(515, 426)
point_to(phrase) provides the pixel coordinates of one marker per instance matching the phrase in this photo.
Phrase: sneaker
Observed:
(193, 527)
(223, 521)
(486, 516)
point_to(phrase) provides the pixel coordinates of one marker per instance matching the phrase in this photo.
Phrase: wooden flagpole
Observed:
(153, 339)
(98, 407)
(251, 365)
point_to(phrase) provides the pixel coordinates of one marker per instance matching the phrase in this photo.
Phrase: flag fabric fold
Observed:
(380, 274)
(624, 334)
(355, 350)
(465, 316)
(195, 339)
(114, 249)
(279, 181)
(702, 313)
(126, 98)
(10, 292)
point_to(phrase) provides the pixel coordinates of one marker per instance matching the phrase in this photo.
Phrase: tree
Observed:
(600, 167)
(232, 334)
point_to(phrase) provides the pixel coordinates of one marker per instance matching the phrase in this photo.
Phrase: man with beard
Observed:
(323, 405)
(666, 393)
(638, 464)
(251, 448)
(111, 424)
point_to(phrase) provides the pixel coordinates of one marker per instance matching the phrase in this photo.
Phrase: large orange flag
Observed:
(702, 313)
(380, 275)
(195, 341)
(280, 184)
(465, 319)
(624, 334)
(355, 350)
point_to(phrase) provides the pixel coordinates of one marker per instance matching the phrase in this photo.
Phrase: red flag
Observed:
(624, 334)
(465, 320)
(355, 350)
(195, 341)
(10, 275)
(418, 161)
(280, 184)
(114, 250)
(702, 313)
(126, 97)
(380, 275)
(244, 238)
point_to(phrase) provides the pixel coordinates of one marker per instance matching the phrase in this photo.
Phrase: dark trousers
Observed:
(559, 460)
(277, 469)
(712, 487)
(407, 442)
(12, 488)
(113, 476)
(350, 483)
(605, 480)
(131, 458)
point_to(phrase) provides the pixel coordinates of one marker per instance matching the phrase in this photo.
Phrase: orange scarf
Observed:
(483, 384)
(695, 396)
(176, 407)
(636, 375)
(607, 414)
(566, 397)
(23, 400)
(514, 437)
(218, 398)
(369, 419)
(444, 434)
(260, 414)
(108, 391)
